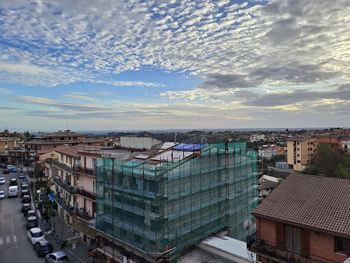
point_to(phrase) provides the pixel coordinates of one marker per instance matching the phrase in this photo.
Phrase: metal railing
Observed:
(62, 166)
(85, 193)
(85, 171)
(64, 185)
(269, 250)
(83, 214)
(69, 209)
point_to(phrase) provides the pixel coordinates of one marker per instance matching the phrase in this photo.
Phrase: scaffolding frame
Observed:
(161, 206)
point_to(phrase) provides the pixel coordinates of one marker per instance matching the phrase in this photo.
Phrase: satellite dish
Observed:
(247, 224)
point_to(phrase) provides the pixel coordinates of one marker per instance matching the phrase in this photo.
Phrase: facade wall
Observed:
(320, 245)
(7, 143)
(87, 183)
(138, 143)
(87, 162)
(301, 152)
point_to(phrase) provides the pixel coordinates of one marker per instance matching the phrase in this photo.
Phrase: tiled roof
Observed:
(317, 202)
(71, 151)
(301, 139)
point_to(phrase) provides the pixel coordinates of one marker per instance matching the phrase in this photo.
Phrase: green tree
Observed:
(330, 162)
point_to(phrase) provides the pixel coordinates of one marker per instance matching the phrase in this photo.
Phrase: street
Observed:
(14, 245)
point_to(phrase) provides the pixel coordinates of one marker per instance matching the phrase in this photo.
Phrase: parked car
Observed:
(3, 165)
(13, 170)
(9, 166)
(35, 234)
(13, 182)
(25, 208)
(2, 180)
(43, 247)
(56, 257)
(21, 176)
(24, 192)
(13, 191)
(32, 222)
(24, 184)
(30, 213)
(26, 199)
(2, 194)
(6, 171)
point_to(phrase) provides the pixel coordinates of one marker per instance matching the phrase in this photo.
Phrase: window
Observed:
(340, 245)
(292, 238)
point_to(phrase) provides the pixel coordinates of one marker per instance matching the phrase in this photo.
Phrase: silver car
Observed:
(2, 194)
(56, 257)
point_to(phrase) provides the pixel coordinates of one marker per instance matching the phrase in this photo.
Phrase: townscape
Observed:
(137, 198)
(175, 131)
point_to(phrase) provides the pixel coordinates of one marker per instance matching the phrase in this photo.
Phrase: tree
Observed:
(330, 162)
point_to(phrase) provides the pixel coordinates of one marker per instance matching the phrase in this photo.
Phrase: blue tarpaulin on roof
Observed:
(188, 147)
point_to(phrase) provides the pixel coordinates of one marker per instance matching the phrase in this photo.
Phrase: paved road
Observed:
(14, 245)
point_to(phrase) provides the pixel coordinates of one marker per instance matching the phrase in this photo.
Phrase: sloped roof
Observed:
(70, 150)
(321, 203)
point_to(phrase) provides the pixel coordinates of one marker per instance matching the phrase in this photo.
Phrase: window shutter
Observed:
(280, 243)
(348, 247)
(305, 243)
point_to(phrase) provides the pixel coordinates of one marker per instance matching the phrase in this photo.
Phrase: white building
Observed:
(257, 138)
(219, 250)
(345, 145)
(145, 143)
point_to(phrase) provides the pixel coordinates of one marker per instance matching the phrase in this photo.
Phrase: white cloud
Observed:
(280, 44)
(79, 97)
(5, 91)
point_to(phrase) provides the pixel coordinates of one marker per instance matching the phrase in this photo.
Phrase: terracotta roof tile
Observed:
(313, 201)
(71, 151)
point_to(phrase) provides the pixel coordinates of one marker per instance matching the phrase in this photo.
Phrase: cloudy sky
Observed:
(136, 64)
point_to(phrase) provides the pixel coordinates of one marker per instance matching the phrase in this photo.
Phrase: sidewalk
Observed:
(59, 233)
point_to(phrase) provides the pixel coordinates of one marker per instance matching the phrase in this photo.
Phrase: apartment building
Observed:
(47, 143)
(7, 143)
(300, 152)
(305, 219)
(85, 192)
(155, 204)
(65, 180)
(72, 171)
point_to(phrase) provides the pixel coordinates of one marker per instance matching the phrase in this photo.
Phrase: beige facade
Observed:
(300, 152)
(7, 143)
(72, 172)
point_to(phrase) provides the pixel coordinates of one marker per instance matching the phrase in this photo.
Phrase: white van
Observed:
(13, 191)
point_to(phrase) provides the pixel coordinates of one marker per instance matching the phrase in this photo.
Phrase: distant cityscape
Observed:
(182, 197)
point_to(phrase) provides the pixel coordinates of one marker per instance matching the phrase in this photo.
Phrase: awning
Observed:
(85, 228)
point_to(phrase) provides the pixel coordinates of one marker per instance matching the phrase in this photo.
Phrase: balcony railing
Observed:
(269, 250)
(62, 166)
(83, 214)
(64, 185)
(69, 209)
(85, 171)
(85, 193)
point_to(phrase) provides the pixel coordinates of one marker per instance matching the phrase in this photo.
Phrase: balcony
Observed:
(269, 250)
(84, 193)
(84, 171)
(62, 166)
(68, 208)
(64, 185)
(83, 215)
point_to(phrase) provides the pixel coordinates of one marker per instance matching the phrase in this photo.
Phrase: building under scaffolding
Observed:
(170, 199)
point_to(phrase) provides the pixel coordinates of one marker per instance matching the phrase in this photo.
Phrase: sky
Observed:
(145, 65)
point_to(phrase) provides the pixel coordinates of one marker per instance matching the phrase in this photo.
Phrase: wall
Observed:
(90, 162)
(86, 183)
(266, 230)
(138, 143)
(321, 244)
